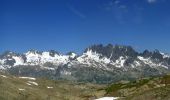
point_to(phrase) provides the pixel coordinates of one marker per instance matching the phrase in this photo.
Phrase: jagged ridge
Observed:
(101, 61)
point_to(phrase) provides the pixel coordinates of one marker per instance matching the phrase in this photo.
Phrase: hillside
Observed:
(157, 88)
(27, 88)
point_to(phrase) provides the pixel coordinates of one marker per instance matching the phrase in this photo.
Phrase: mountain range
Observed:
(97, 64)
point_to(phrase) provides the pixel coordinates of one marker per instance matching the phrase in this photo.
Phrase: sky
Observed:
(73, 25)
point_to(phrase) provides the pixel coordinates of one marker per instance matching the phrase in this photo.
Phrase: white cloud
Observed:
(117, 2)
(76, 12)
(151, 1)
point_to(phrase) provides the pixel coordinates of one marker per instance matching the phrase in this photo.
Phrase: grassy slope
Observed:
(144, 89)
(62, 90)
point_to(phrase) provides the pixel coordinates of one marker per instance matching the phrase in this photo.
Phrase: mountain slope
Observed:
(29, 88)
(98, 64)
(154, 88)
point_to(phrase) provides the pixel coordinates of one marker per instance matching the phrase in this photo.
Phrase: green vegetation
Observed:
(118, 86)
(143, 89)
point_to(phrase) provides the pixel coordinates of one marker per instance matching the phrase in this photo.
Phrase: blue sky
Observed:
(73, 25)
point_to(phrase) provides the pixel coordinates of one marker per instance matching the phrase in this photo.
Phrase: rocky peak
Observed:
(52, 53)
(32, 51)
(114, 52)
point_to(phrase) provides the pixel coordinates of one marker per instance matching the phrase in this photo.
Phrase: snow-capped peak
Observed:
(33, 58)
(36, 58)
(18, 60)
(96, 56)
(89, 56)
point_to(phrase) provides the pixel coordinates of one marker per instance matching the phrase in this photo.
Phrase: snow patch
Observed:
(28, 84)
(2, 61)
(32, 58)
(165, 55)
(48, 68)
(57, 59)
(148, 61)
(92, 56)
(21, 89)
(73, 55)
(33, 83)
(137, 63)
(108, 98)
(18, 60)
(48, 87)
(119, 62)
(30, 78)
(3, 76)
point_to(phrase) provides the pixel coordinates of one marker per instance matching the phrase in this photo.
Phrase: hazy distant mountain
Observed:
(98, 63)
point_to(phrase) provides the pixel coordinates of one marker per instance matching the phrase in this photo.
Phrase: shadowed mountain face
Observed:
(114, 52)
(98, 64)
